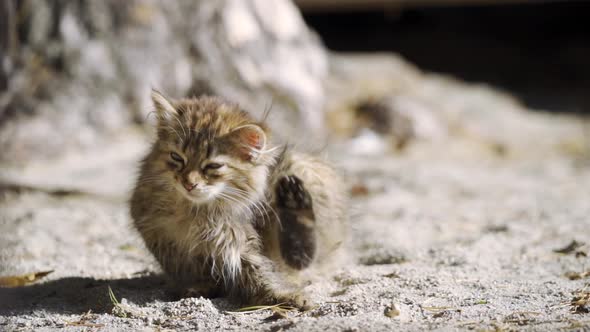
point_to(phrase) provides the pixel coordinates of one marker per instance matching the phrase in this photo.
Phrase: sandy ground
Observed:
(444, 237)
(454, 233)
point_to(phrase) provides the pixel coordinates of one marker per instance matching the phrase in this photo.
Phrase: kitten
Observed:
(225, 212)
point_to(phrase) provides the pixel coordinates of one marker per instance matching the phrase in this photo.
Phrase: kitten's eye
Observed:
(176, 157)
(213, 166)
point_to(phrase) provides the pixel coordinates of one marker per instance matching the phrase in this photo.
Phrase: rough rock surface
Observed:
(451, 233)
(73, 73)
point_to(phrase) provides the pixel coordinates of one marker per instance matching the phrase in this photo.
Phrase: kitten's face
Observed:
(200, 178)
(211, 151)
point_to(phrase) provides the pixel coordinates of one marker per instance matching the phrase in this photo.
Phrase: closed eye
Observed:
(213, 166)
(176, 157)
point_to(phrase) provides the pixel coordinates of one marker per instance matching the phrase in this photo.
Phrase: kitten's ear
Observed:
(249, 140)
(163, 105)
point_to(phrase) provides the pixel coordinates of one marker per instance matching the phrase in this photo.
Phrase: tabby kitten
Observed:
(225, 212)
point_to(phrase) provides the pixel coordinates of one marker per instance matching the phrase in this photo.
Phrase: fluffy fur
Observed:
(206, 204)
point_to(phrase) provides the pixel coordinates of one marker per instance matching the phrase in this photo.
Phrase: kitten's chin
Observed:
(204, 196)
(199, 200)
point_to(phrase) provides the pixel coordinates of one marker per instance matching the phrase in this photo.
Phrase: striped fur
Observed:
(223, 232)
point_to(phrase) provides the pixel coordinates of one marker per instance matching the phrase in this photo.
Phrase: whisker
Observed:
(181, 126)
(258, 205)
(236, 198)
(267, 111)
(241, 206)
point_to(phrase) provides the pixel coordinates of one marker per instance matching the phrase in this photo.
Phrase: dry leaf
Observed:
(577, 275)
(18, 281)
(338, 292)
(359, 190)
(392, 275)
(569, 248)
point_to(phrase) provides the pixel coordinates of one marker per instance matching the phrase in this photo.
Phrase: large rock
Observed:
(74, 73)
(450, 115)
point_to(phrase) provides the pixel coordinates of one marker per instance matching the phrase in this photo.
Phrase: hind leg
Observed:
(297, 238)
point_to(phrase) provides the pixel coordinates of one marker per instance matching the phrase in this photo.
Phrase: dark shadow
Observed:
(537, 50)
(78, 295)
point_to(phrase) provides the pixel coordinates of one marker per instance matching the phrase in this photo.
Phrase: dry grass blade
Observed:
(581, 301)
(521, 318)
(439, 308)
(281, 308)
(83, 321)
(113, 297)
(23, 280)
(117, 309)
(82, 324)
(127, 247)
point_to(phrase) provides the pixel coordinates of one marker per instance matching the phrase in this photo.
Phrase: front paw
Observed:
(299, 300)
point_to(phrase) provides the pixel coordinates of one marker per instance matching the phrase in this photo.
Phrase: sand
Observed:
(447, 235)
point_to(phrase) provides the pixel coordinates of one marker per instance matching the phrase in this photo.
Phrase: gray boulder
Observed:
(75, 73)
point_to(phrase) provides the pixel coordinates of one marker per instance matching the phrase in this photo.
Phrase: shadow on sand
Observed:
(78, 295)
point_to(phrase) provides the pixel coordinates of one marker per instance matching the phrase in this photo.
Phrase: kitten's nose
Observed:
(191, 180)
(189, 186)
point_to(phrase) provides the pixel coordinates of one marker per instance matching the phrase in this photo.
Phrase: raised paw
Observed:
(297, 232)
(291, 194)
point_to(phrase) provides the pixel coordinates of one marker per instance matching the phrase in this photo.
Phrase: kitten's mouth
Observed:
(201, 195)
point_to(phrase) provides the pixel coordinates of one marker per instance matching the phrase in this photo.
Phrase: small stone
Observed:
(391, 311)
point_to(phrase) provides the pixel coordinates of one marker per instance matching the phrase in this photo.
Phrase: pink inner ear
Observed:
(253, 139)
(247, 141)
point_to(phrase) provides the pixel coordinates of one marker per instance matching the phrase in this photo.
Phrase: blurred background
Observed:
(461, 128)
(76, 72)
(370, 79)
(536, 50)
